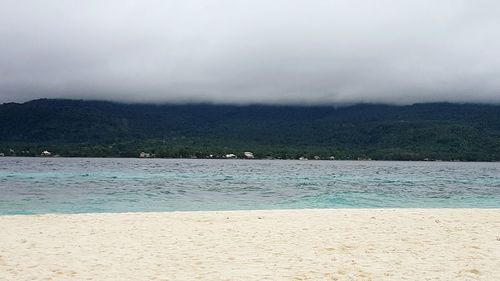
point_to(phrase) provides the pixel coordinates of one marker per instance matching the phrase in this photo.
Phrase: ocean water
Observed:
(80, 185)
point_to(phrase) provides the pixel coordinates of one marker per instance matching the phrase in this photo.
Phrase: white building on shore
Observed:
(145, 155)
(248, 155)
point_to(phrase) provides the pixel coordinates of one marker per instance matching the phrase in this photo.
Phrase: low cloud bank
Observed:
(283, 51)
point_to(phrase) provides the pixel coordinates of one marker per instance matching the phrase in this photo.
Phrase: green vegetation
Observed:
(467, 132)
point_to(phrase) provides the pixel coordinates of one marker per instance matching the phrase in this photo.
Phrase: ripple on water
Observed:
(72, 185)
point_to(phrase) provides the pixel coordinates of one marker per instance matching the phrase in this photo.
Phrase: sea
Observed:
(99, 185)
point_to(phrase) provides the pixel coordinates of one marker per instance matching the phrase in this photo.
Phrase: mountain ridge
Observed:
(445, 131)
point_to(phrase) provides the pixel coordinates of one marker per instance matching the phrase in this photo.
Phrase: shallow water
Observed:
(76, 185)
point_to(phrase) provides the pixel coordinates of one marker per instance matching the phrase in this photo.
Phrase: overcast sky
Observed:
(255, 51)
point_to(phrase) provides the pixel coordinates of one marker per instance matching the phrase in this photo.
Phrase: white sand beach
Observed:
(358, 244)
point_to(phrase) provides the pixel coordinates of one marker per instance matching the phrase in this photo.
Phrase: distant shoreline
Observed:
(255, 159)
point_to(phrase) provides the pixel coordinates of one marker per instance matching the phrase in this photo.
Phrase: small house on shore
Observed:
(145, 155)
(249, 155)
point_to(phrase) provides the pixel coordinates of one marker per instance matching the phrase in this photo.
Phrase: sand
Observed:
(401, 244)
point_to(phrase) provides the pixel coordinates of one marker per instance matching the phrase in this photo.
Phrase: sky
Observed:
(255, 51)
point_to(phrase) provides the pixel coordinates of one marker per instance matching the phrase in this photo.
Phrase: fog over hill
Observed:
(240, 52)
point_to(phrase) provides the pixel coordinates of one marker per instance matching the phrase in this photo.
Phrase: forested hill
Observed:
(94, 128)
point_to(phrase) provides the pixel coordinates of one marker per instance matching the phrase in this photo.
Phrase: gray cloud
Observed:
(255, 51)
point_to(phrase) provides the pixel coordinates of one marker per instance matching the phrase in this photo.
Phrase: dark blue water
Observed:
(75, 185)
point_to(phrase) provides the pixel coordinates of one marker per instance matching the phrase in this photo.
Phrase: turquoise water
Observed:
(80, 185)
